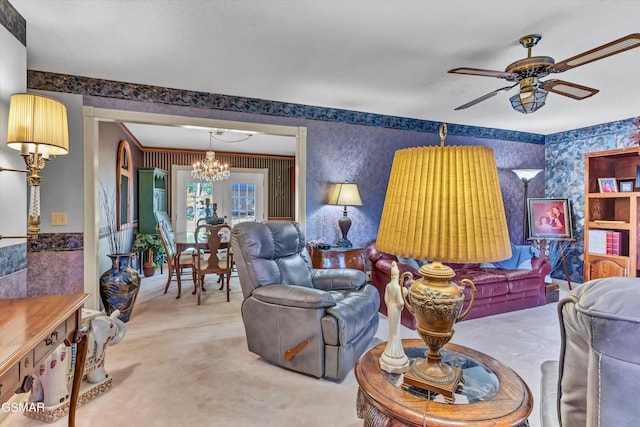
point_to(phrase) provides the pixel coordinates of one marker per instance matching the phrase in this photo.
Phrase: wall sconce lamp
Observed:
(525, 176)
(37, 126)
(345, 194)
(443, 204)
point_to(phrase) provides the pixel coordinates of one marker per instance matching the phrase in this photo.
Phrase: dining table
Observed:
(186, 240)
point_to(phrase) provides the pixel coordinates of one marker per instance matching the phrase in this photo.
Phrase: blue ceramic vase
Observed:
(119, 286)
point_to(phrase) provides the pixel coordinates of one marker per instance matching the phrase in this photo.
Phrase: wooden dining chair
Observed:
(176, 262)
(217, 260)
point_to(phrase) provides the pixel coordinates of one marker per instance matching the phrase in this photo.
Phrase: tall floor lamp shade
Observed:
(443, 204)
(345, 194)
(525, 176)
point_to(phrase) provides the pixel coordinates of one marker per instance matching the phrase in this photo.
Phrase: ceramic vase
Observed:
(119, 286)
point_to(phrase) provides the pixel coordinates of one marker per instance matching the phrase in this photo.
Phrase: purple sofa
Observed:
(497, 290)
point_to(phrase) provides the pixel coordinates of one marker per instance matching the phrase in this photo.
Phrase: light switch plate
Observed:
(58, 218)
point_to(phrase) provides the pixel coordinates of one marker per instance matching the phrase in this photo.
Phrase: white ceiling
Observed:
(378, 56)
(154, 136)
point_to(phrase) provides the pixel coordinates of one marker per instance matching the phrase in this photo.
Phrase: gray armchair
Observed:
(597, 379)
(313, 321)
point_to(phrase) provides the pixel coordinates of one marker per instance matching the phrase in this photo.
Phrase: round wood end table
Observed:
(492, 394)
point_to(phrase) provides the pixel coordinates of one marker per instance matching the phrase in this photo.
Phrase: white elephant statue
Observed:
(52, 377)
(105, 330)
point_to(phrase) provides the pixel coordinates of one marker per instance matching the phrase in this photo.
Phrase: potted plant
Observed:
(151, 246)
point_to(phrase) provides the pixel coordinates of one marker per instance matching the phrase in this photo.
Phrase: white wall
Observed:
(13, 185)
(62, 181)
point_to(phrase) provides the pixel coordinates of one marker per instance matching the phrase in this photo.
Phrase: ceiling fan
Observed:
(528, 71)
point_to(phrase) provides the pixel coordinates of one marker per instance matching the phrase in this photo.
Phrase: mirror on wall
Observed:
(125, 186)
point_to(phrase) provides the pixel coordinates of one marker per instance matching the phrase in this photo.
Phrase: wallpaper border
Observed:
(55, 82)
(11, 19)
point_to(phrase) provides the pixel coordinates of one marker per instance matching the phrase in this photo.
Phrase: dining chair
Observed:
(175, 261)
(218, 259)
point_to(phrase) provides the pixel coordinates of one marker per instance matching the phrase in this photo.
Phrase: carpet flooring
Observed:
(186, 365)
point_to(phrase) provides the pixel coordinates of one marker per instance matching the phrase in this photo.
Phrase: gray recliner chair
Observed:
(313, 321)
(597, 379)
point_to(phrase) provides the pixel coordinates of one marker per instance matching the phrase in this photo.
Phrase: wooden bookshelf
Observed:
(615, 211)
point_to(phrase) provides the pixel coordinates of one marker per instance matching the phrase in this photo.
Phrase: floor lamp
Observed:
(525, 176)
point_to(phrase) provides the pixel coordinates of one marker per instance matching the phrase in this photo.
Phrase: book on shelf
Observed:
(605, 242)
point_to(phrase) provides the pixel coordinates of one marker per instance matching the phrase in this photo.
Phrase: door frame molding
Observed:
(91, 118)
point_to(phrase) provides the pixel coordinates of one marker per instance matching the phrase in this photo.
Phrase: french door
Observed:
(242, 197)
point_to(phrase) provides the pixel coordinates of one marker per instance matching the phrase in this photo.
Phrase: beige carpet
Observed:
(186, 365)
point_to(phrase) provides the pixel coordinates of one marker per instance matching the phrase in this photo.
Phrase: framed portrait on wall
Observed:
(549, 218)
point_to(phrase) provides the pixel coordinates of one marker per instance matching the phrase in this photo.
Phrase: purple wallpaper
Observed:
(359, 147)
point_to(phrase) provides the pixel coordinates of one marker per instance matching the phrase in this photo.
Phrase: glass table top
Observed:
(480, 382)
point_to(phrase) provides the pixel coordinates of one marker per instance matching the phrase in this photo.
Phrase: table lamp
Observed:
(345, 194)
(443, 204)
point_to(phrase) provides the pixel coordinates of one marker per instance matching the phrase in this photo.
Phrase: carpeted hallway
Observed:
(181, 364)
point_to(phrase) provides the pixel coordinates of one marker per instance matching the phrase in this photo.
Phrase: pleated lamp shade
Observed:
(37, 120)
(444, 203)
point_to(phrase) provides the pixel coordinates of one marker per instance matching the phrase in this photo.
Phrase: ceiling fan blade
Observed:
(483, 97)
(571, 90)
(485, 73)
(617, 46)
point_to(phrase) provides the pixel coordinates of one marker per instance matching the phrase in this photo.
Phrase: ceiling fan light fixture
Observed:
(530, 103)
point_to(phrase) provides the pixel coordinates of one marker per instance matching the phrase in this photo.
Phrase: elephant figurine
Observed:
(50, 378)
(105, 331)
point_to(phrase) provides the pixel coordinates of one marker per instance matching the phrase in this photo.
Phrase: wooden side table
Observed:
(492, 394)
(337, 257)
(31, 329)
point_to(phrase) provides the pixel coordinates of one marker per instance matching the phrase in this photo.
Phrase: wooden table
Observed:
(31, 329)
(337, 257)
(186, 240)
(492, 395)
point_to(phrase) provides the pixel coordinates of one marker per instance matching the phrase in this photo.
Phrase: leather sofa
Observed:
(313, 321)
(497, 290)
(596, 381)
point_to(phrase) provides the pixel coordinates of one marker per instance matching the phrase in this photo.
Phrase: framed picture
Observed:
(626, 186)
(607, 185)
(550, 218)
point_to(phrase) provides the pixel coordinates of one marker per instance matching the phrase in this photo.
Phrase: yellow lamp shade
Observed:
(444, 204)
(37, 120)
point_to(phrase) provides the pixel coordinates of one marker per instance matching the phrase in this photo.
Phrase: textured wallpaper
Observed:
(564, 168)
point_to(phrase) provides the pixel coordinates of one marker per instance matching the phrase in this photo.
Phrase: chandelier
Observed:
(209, 169)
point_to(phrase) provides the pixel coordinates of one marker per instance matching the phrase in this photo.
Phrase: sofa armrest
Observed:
(384, 265)
(294, 296)
(375, 255)
(549, 394)
(337, 279)
(541, 264)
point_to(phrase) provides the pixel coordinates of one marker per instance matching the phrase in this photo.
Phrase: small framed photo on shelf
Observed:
(626, 186)
(607, 185)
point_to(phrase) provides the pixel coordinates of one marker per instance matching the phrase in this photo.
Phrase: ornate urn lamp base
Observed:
(436, 303)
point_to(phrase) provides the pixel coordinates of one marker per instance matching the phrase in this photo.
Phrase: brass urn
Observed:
(436, 303)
